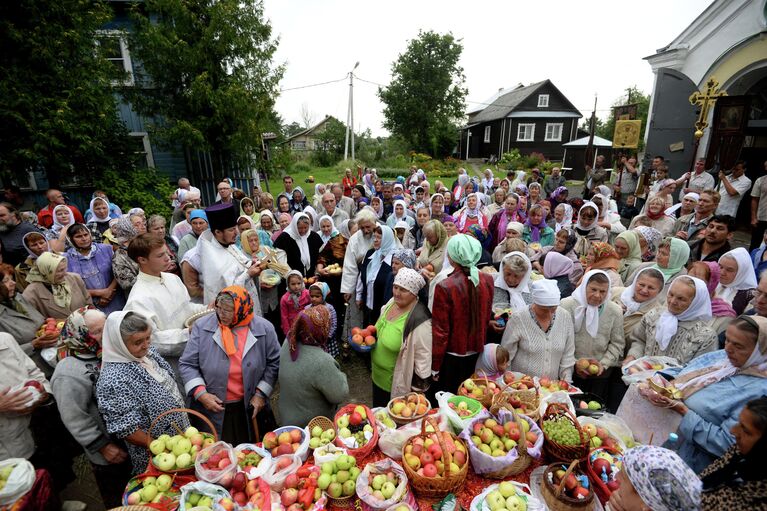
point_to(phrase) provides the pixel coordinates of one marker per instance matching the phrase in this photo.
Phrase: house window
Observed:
(525, 132)
(543, 100)
(299, 145)
(114, 47)
(553, 132)
(142, 149)
(487, 134)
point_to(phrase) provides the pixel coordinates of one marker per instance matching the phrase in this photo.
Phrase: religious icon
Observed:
(627, 133)
(730, 118)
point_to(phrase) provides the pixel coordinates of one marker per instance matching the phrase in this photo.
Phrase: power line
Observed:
(313, 85)
(368, 81)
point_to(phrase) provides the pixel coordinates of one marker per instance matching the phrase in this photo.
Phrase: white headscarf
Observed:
(627, 296)
(699, 310)
(588, 204)
(93, 215)
(115, 351)
(567, 221)
(404, 209)
(586, 311)
(312, 213)
(57, 227)
(516, 302)
(744, 279)
(333, 230)
(301, 241)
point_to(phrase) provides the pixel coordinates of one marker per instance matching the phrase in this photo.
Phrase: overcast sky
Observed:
(584, 47)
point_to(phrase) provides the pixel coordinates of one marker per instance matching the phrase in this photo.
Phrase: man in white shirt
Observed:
(732, 188)
(759, 210)
(184, 186)
(329, 208)
(699, 180)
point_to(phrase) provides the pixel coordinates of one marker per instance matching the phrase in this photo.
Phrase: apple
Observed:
(134, 498)
(184, 460)
(388, 490)
(507, 489)
(349, 488)
(157, 446)
(292, 481)
(296, 436)
(148, 492)
(593, 369)
(182, 445)
(335, 490)
(165, 461)
(495, 501)
(284, 438)
(288, 496)
(430, 470)
(516, 503)
(324, 481)
(270, 440)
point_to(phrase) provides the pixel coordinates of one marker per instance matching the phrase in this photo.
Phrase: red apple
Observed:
(288, 496)
(430, 470)
(251, 488)
(240, 498)
(291, 481)
(295, 436)
(270, 440)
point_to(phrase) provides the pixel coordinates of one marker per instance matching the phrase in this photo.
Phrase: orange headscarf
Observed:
(605, 257)
(243, 315)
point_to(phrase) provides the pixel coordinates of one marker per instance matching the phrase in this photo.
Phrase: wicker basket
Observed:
(530, 397)
(556, 499)
(557, 451)
(523, 460)
(180, 432)
(436, 487)
(322, 422)
(341, 502)
(407, 420)
(360, 452)
(487, 399)
(600, 488)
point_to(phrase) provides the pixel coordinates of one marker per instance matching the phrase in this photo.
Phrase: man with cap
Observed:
(541, 341)
(222, 263)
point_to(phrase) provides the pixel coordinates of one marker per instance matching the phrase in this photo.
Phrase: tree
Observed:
(329, 143)
(291, 129)
(206, 74)
(425, 98)
(606, 129)
(307, 116)
(57, 108)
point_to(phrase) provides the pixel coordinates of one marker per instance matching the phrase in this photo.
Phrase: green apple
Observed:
(164, 438)
(182, 445)
(148, 492)
(165, 461)
(388, 489)
(184, 460)
(149, 480)
(164, 482)
(324, 481)
(190, 432)
(157, 446)
(193, 499)
(516, 503)
(328, 467)
(344, 462)
(314, 442)
(495, 501)
(343, 421)
(349, 488)
(354, 473)
(507, 489)
(335, 490)
(205, 501)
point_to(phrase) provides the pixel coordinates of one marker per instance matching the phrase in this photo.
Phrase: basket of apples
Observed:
(148, 489)
(287, 440)
(564, 487)
(383, 484)
(178, 453)
(502, 444)
(363, 339)
(322, 431)
(599, 436)
(301, 491)
(436, 463)
(505, 496)
(521, 395)
(602, 468)
(465, 407)
(565, 438)
(357, 430)
(481, 389)
(408, 408)
(548, 386)
(339, 479)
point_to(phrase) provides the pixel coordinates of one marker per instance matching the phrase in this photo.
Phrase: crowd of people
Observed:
(216, 307)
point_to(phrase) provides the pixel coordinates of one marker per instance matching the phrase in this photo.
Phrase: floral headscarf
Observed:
(123, 230)
(296, 296)
(605, 257)
(653, 238)
(406, 256)
(719, 308)
(312, 327)
(662, 479)
(243, 315)
(47, 264)
(75, 339)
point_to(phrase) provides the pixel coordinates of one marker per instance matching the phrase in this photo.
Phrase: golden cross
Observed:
(705, 100)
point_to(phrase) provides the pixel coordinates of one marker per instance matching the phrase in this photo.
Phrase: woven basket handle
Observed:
(447, 459)
(180, 410)
(569, 471)
(521, 447)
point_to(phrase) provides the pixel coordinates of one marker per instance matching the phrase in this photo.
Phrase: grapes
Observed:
(562, 431)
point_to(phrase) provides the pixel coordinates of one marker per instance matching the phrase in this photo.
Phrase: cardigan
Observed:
(41, 298)
(693, 338)
(412, 371)
(607, 346)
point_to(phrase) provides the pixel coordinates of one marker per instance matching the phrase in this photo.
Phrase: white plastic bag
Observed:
(20, 480)
(214, 491)
(618, 428)
(391, 441)
(222, 476)
(559, 396)
(303, 448)
(327, 452)
(523, 490)
(263, 466)
(280, 469)
(381, 467)
(639, 370)
(457, 422)
(382, 417)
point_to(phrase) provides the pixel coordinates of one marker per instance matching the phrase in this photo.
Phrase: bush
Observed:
(342, 165)
(301, 167)
(144, 188)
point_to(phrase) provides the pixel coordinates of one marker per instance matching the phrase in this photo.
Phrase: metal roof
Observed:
(584, 142)
(502, 106)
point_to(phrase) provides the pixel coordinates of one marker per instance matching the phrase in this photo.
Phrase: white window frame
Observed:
(124, 53)
(543, 100)
(553, 125)
(487, 134)
(147, 146)
(521, 132)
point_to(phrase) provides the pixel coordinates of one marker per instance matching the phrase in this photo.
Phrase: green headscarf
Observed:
(634, 259)
(465, 251)
(677, 259)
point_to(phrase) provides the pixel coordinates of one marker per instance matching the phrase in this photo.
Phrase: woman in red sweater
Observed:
(349, 182)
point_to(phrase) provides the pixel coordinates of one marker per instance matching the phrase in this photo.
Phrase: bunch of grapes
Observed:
(562, 431)
(251, 459)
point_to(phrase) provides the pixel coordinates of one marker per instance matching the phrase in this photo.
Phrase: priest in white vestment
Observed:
(359, 244)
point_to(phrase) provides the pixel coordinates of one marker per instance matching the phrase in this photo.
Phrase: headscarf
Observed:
(585, 311)
(744, 279)
(516, 301)
(406, 256)
(699, 310)
(472, 213)
(75, 339)
(567, 221)
(96, 218)
(136, 211)
(679, 254)
(114, 349)
(323, 287)
(661, 213)
(297, 206)
(255, 216)
(376, 259)
(408, 278)
(756, 365)
(482, 235)
(198, 213)
(123, 231)
(518, 227)
(465, 251)
(311, 327)
(380, 209)
(343, 229)
(662, 479)
(627, 296)
(312, 214)
(719, 307)
(245, 243)
(634, 258)
(605, 256)
(250, 221)
(268, 213)
(243, 315)
(404, 210)
(535, 230)
(301, 241)
(26, 247)
(652, 237)
(431, 199)
(47, 264)
(487, 363)
(57, 227)
(441, 236)
(556, 265)
(333, 230)
(545, 293)
(588, 204)
(572, 239)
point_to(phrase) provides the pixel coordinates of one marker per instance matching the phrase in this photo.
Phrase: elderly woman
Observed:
(557, 267)
(509, 213)
(536, 230)
(19, 318)
(156, 227)
(283, 205)
(656, 213)
(124, 268)
(587, 229)
(220, 346)
(649, 239)
(609, 218)
(602, 256)
(680, 329)
(375, 271)
(198, 219)
(93, 262)
(400, 215)
(35, 244)
(673, 254)
(736, 479)
(540, 339)
(714, 389)
(267, 223)
(266, 203)
(737, 283)
(401, 360)
(722, 312)
(73, 386)
(135, 386)
(499, 197)
(642, 296)
(53, 291)
(563, 218)
(434, 246)
(471, 214)
(437, 207)
(629, 250)
(311, 381)
(461, 312)
(514, 231)
(598, 327)
(511, 287)
(654, 478)
(301, 244)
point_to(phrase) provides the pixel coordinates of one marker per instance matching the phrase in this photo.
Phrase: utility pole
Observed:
(350, 115)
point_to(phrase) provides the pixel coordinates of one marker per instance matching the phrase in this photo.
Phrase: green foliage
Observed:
(206, 71)
(329, 143)
(144, 188)
(301, 167)
(606, 129)
(515, 160)
(57, 109)
(425, 99)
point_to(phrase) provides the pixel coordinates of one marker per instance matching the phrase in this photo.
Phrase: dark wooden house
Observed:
(532, 118)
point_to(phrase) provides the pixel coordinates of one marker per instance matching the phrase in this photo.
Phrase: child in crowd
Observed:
(295, 299)
(629, 209)
(318, 294)
(493, 362)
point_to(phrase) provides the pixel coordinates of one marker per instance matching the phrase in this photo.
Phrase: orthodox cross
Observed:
(705, 100)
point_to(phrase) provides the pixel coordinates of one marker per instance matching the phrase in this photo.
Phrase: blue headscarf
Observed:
(198, 213)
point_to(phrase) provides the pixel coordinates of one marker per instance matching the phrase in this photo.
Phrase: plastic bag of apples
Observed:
(282, 467)
(383, 484)
(216, 464)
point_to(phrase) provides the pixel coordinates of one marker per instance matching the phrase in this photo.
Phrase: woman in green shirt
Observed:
(401, 359)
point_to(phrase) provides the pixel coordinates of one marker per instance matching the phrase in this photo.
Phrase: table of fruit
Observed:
(512, 444)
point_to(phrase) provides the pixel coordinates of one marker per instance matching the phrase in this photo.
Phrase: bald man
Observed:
(55, 198)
